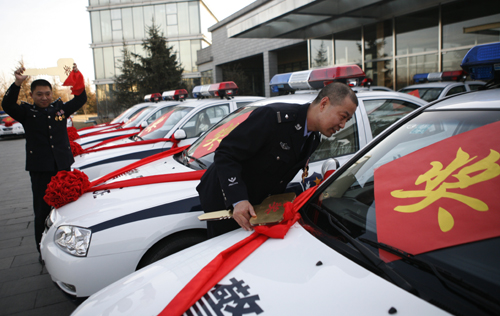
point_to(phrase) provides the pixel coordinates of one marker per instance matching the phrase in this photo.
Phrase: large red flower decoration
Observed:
(72, 134)
(76, 149)
(65, 187)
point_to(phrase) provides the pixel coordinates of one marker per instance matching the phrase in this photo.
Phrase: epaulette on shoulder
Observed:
(24, 102)
(58, 100)
(286, 116)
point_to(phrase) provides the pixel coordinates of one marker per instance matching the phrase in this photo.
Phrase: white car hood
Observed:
(285, 275)
(98, 206)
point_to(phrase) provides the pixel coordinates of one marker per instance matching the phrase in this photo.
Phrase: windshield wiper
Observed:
(449, 280)
(202, 165)
(367, 253)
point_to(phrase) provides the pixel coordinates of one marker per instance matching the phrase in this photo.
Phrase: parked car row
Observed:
(425, 249)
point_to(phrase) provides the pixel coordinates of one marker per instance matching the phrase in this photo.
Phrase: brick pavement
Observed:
(25, 286)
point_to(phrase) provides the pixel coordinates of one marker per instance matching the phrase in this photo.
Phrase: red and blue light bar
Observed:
(177, 95)
(222, 89)
(456, 75)
(153, 97)
(482, 62)
(317, 78)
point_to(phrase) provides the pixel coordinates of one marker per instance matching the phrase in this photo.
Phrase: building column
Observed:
(270, 61)
(218, 75)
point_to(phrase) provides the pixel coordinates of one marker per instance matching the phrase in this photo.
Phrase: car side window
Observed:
(456, 90)
(384, 112)
(344, 142)
(475, 87)
(242, 103)
(204, 119)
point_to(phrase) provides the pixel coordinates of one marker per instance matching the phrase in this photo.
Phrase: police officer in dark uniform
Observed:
(264, 153)
(47, 145)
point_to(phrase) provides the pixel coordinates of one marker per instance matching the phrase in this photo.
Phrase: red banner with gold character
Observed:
(448, 195)
(213, 139)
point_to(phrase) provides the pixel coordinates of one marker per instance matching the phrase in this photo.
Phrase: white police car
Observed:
(184, 122)
(355, 251)
(437, 85)
(117, 121)
(10, 127)
(107, 234)
(132, 126)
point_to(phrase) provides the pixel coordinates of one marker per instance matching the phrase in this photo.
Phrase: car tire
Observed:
(172, 244)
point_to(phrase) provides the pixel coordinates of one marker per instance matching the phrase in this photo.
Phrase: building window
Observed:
(172, 29)
(138, 17)
(116, 24)
(207, 77)
(417, 32)
(321, 52)
(348, 47)
(378, 40)
(127, 24)
(381, 72)
(106, 30)
(407, 67)
(95, 20)
(466, 23)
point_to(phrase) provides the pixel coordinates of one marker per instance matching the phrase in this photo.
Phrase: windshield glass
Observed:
(203, 148)
(136, 118)
(425, 190)
(124, 114)
(162, 126)
(427, 94)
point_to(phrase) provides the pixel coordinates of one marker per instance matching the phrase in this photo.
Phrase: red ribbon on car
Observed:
(230, 258)
(68, 186)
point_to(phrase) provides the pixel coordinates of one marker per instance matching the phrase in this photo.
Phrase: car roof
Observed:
(475, 100)
(441, 84)
(197, 103)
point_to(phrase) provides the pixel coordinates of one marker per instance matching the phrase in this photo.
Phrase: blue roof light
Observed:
(482, 62)
(419, 78)
(280, 82)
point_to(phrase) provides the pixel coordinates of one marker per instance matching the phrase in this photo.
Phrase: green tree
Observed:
(126, 84)
(157, 71)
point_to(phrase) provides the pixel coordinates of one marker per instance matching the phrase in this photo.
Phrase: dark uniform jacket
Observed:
(47, 143)
(259, 157)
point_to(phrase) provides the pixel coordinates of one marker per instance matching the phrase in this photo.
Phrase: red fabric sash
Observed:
(110, 130)
(138, 143)
(109, 125)
(68, 186)
(228, 259)
(137, 164)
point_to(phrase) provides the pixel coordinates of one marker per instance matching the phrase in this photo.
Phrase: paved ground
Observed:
(25, 286)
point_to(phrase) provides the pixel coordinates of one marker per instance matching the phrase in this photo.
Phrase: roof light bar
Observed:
(456, 75)
(147, 98)
(179, 94)
(317, 78)
(482, 62)
(222, 89)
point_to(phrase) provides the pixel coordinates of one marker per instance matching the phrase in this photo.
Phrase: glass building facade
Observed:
(391, 52)
(119, 23)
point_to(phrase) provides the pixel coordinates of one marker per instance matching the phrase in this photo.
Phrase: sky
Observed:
(42, 31)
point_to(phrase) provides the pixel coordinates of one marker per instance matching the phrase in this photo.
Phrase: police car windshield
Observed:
(136, 118)
(128, 112)
(162, 126)
(203, 148)
(436, 151)
(427, 94)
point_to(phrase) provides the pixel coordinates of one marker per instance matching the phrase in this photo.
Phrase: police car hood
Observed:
(297, 275)
(101, 205)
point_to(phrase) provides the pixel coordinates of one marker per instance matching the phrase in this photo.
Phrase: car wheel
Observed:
(171, 245)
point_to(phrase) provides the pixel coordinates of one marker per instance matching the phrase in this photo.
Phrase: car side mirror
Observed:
(180, 134)
(144, 124)
(329, 167)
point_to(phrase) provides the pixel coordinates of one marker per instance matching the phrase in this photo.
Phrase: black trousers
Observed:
(39, 182)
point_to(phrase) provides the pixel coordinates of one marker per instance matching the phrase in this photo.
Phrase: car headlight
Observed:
(49, 221)
(74, 240)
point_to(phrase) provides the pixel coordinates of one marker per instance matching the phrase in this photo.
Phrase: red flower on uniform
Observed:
(72, 134)
(65, 187)
(76, 149)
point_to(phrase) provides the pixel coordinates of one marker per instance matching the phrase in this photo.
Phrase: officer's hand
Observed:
(242, 213)
(19, 76)
(75, 68)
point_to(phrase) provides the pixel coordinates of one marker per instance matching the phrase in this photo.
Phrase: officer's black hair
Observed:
(337, 92)
(40, 83)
